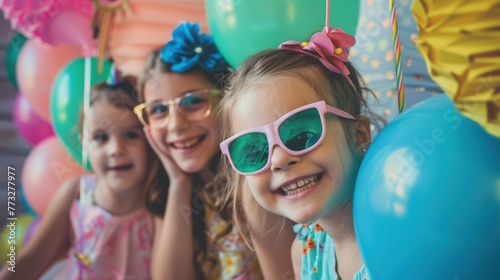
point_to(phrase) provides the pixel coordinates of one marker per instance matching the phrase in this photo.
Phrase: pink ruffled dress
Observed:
(105, 246)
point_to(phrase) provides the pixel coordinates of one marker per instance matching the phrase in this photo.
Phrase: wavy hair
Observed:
(211, 195)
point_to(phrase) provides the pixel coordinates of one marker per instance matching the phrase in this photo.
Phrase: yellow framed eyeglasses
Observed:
(193, 105)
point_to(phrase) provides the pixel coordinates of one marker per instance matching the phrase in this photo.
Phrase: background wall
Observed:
(13, 148)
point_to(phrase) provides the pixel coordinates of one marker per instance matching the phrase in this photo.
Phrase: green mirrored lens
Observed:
(249, 152)
(302, 130)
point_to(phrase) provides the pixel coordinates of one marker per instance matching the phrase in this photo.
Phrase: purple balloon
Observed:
(31, 229)
(28, 123)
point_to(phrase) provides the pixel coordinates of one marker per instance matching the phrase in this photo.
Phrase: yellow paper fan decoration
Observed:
(460, 41)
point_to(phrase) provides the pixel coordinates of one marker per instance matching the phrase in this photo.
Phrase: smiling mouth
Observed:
(299, 186)
(184, 145)
(121, 167)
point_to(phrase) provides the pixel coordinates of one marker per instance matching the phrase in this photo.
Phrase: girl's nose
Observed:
(116, 147)
(281, 160)
(177, 122)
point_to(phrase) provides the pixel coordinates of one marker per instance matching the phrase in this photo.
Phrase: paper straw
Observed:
(397, 56)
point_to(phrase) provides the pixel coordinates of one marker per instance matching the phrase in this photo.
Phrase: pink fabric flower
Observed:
(39, 19)
(330, 46)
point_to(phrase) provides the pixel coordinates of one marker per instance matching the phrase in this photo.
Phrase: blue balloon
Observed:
(427, 198)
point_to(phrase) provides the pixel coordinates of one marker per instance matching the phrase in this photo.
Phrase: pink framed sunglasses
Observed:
(297, 132)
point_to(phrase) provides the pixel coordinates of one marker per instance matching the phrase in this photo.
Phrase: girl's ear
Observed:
(362, 132)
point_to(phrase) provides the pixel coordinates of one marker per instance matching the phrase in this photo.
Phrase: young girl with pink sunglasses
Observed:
(297, 117)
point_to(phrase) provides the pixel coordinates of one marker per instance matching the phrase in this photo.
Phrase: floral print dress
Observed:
(318, 254)
(236, 260)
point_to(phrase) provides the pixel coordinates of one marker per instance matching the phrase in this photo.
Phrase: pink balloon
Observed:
(47, 166)
(36, 69)
(72, 28)
(31, 127)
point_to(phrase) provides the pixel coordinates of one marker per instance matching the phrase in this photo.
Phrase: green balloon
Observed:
(13, 236)
(13, 50)
(241, 28)
(66, 102)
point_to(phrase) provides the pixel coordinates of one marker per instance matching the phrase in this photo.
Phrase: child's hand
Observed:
(177, 177)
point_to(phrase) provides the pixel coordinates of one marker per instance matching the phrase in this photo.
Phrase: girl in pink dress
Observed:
(98, 226)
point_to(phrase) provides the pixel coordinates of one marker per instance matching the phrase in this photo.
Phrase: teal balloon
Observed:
(66, 102)
(427, 197)
(241, 28)
(24, 202)
(13, 50)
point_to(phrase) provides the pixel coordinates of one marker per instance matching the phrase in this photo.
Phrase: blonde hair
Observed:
(270, 65)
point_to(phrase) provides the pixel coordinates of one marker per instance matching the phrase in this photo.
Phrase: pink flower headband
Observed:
(330, 46)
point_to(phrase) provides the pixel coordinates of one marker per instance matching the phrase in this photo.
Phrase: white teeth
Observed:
(301, 185)
(186, 145)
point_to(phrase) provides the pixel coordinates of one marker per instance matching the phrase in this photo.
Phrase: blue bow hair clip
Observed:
(188, 48)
